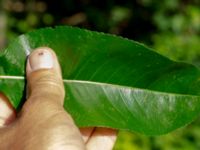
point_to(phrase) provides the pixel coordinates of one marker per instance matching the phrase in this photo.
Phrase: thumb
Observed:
(44, 75)
(44, 105)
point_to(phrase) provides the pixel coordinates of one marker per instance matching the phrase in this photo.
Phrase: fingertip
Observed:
(103, 138)
(44, 78)
(7, 112)
(42, 58)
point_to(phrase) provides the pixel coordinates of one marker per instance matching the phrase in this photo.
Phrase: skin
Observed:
(43, 124)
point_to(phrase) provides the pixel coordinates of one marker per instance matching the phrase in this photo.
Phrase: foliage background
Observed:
(172, 27)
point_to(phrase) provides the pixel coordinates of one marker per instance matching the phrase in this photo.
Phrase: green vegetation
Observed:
(120, 80)
(170, 26)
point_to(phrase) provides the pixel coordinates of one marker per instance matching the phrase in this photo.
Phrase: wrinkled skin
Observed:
(43, 123)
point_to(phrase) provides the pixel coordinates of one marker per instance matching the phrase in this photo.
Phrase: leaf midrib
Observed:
(103, 84)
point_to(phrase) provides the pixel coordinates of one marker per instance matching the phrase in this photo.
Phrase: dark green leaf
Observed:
(110, 81)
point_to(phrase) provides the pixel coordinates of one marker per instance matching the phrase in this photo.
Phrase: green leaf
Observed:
(109, 81)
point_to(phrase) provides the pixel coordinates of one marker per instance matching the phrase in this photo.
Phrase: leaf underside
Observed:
(109, 81)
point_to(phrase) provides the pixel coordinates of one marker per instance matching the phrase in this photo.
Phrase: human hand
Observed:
(43, 123)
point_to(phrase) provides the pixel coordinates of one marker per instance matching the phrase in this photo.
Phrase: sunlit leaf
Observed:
(109, 81)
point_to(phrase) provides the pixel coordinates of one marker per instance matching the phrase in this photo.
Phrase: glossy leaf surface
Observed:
(109, 81)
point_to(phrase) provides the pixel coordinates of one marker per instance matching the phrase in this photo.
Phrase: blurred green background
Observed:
(171, 27)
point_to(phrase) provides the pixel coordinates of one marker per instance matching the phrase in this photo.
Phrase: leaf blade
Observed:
(155, 114)
(114, 70)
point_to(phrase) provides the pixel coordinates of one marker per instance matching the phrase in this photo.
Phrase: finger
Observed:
(102, 138)
(44, 75)
(86, 133)
(44, 106)
(7, 112)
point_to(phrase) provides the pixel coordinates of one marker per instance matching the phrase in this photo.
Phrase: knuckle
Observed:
(46, 83)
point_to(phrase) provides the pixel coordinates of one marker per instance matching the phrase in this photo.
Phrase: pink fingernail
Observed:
(41, 59)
